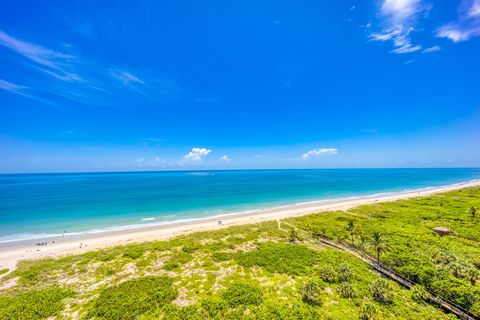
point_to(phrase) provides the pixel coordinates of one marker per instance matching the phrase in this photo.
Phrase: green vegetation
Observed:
(328, 274)
(3, 271)
(280, 257)
(420, 293)
(133, 298)
(378, 244)
(473, 212)
(346, 290)
(243, 294)
(382, 291)
(33, 304)
(269, 270)
(401, 234)
(312, 293)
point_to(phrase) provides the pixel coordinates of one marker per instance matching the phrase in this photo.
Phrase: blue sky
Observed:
(167, 85)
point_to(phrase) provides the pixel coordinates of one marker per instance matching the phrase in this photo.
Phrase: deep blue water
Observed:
(39, 204)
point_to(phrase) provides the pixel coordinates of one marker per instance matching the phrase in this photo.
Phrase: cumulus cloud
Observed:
(195, 156)
(398, 18)
(466, 26)
(315, 153)
(225, 158)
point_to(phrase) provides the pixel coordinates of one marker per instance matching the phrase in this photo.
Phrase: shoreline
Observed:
(12, 252)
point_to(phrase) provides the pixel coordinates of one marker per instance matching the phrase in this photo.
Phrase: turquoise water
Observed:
(39, 205)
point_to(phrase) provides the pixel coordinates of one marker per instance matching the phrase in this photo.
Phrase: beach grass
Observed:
(270, 270)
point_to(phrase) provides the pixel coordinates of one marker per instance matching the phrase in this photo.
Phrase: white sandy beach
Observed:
(10, 255)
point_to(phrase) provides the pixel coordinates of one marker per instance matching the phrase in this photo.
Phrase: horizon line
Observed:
(217, 170)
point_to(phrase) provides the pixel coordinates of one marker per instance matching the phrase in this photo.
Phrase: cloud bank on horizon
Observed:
(319, 152)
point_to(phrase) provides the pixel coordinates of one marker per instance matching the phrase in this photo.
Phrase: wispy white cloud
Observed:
(225, 158)
(76, 78)
(12, 87)
(315, 153)
(398, 19)
(474, 10)
(20, 90)
(432, 49)
(467, 25)
(54, 63)
(36, 53)
(195, 156)
(126, 77)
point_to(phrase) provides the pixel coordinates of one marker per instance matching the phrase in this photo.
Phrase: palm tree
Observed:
(293, 237)
(473, 275)
(379, 244)
(351, 228)
(473, 212)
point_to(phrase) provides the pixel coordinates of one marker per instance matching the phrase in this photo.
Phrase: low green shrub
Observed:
(274, 311)
(346, 290)
(381, 290)
(221, 256)
(312, 293)
(178, 259)
(34, 304)
(344, 273)
(214, 307)
(3, 271)
(419, 293)
(106, 256)
(240, 293)
(328, 274)
(134, 252)
(132, 298)
(190, 248)
(170, 265)
(280, 257)
(173, 312)
(369, 311)
(32, 272)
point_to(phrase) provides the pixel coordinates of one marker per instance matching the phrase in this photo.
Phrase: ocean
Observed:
(34, 206)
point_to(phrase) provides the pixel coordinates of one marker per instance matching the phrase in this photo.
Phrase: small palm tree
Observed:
(293, 237)
(351, 229)
(473, 275)
(473, 212)
(363, 242)
(378, 243)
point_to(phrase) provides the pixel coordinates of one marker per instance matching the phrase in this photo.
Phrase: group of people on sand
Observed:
(42, 244)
